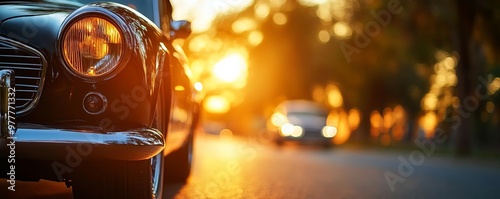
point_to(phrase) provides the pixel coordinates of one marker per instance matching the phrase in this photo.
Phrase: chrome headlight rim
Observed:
(102, 13)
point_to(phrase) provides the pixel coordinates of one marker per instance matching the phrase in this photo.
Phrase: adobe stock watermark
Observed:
(11, 126)
(29, 29)
(427, 147)
(371, 29)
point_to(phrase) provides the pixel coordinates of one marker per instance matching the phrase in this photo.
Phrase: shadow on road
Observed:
(36, 190)
(172, 189)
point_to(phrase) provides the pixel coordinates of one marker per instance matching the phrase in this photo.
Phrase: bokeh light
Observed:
(323, 36)
(428, 122)
(216, 104)
(334, 96)
(230, 68)
(280, 18)
(342, 30)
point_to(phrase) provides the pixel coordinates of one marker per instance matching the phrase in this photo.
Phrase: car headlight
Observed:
(286, 129)
(297, 131)
(329, 131)
(291, 130)
(92, 46)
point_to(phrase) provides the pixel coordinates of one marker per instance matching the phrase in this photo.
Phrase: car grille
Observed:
(29, 66)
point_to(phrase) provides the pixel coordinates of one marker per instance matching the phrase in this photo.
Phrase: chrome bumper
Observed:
(44, 143)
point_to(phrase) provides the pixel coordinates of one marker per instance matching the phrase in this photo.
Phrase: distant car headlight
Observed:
(92, 46)
(291, 130)
(329, 131)
(286, 129)
(297, 131)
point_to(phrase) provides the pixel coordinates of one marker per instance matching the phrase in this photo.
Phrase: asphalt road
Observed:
(243, 168)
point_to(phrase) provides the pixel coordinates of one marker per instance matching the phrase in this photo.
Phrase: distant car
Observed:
(302, 121)
(96, 95)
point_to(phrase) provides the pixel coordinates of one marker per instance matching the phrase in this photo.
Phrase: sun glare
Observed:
(217, 104)
(230, 68)
(202, 13)
(244, 25)
(198, 86)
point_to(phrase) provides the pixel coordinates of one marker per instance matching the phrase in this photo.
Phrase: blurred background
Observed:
(391, 72)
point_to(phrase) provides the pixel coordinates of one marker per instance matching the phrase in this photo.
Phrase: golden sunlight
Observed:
(332, 10)
(318, 93)
(280, 18)
(262, 10)
(255, 37)
(333, 119)
(244, 24)
(428, 122)
(375, 121)
(387, 120)
(342, 30)
(202, 13)
(323, 36)
(198, 86)
(430, 102)
(354, 118)
(343, 132)
(494, 86)
(278, 119)
(226, 133)
(334, 96)
(231, 68)
(216, 104)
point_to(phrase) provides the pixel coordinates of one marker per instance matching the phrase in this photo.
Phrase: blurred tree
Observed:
(466, 11)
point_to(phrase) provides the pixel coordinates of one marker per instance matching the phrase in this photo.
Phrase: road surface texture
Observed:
(227, 167)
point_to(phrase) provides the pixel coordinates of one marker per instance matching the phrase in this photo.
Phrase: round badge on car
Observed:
(94, 103)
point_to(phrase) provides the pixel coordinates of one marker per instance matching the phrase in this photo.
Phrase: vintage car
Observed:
(96, 95)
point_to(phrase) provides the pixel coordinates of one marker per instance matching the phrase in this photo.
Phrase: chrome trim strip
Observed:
(25, 77)
(23, 64)
(19, 56)
(45, 143)
(36, 97)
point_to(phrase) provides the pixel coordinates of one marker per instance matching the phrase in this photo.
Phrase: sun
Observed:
(230, 68)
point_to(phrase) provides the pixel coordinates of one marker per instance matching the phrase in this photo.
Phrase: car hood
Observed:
(34, 23)
(9, 10)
